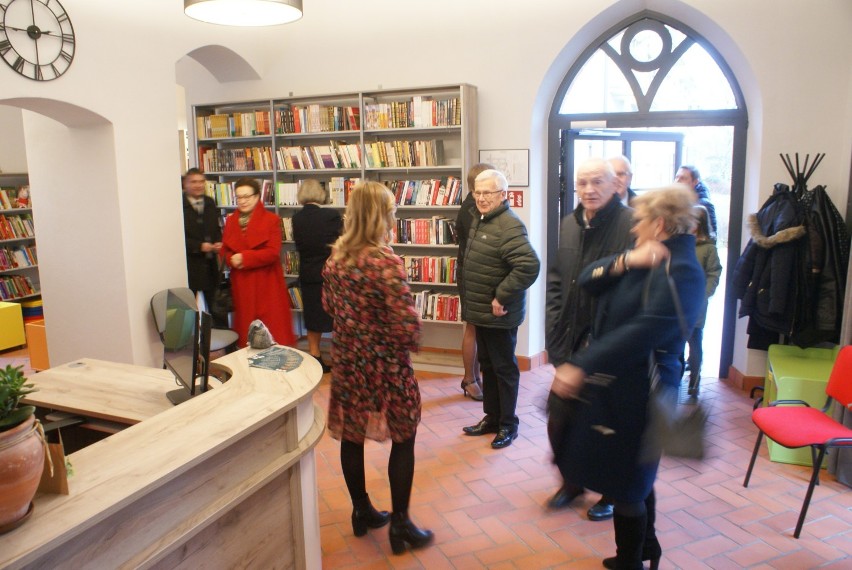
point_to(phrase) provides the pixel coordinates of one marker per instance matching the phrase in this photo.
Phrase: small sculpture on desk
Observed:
(259, 336)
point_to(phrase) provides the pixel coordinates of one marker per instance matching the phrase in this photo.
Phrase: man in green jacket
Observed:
(500, 265)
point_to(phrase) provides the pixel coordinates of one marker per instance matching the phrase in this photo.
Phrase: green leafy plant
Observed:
(13, 387)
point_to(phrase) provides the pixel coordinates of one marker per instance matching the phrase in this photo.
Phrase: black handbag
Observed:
(673, 430)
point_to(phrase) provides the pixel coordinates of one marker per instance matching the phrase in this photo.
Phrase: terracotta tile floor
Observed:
(485, 506)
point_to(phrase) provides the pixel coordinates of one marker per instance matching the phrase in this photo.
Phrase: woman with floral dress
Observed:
(374, 394)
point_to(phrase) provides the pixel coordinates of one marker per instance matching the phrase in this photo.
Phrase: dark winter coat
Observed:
(569, 309)
(201, 267)
(768, 274)
(603, 448)
(499, 262)
(704, 200)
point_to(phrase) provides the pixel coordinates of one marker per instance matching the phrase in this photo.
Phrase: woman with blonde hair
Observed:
(314, 230)
(648, 299)
(374, 394)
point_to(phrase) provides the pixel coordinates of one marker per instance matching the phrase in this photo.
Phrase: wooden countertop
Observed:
(122, 393)
(149, 457)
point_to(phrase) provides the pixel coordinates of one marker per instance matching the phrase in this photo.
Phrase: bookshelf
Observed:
(18, 257)
(420, 142)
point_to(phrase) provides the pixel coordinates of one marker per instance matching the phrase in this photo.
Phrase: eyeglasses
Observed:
(245, 197)
(485, 193)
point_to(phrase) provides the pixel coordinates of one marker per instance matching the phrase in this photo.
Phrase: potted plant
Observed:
(21, 449)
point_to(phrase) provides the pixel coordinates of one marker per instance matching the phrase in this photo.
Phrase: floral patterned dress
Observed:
(374, 393)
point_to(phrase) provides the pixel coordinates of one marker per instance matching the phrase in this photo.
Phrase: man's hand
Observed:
(497, 309)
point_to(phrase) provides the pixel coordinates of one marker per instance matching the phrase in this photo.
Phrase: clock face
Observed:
(36, 38)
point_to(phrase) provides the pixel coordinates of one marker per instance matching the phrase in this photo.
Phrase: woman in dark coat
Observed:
(609, 380)
(314, 230)
(251, 246)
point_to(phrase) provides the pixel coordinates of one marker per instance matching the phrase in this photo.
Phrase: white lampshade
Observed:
(244, 12)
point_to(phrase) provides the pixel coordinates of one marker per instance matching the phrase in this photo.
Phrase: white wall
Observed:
(13, 156)
(791, 59)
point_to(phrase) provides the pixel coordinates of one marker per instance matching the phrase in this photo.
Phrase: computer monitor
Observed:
(186, 341)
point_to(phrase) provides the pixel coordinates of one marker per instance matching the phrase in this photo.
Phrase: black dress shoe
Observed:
(601, 511)
(484, 426)
(564, 496)
(504, 438)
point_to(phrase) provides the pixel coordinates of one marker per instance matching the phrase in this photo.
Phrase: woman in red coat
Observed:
(251, 246)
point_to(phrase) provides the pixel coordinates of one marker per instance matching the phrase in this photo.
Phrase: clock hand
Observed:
(27, 30)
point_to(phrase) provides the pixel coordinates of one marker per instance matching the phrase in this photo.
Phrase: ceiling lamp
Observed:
(244, 12)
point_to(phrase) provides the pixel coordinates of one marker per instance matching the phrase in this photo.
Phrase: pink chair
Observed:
(793, 424)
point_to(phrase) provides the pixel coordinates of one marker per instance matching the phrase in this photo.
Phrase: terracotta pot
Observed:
(21, 464)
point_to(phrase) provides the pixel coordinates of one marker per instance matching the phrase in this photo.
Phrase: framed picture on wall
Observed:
(514, 163)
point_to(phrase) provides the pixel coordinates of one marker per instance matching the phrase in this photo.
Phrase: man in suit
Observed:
(202, 234)
(598, 227)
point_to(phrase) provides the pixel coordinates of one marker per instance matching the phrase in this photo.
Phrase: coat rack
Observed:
(801, 175)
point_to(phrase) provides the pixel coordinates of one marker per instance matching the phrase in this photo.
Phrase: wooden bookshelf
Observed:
(18, 256)
(420, 142)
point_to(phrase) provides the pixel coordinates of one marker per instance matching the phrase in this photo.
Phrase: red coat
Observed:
(258, 287)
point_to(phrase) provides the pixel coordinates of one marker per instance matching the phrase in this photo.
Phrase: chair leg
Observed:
(814, 449)
(753, 457)
(809, 494)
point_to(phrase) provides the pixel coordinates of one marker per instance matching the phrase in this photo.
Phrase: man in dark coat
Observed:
(600, 226)
(499, 266)
(202, 234)
(690, 176)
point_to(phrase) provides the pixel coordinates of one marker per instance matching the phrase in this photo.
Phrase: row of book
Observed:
(426, 231)
(235, 159)
(403, 153)
(418, 112)
(317, 118)
(223, 193)
(296, 298)
(290, 262)
(432, 192)
(15, 286)
(16, 226)
(430, 269)
(245, 124)
(333, 155)
(17, 257)
(437, 306)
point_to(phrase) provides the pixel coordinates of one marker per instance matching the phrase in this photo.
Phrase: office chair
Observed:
(793, 424)
(219, 339)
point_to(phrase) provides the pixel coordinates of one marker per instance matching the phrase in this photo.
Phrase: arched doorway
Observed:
(654, 90)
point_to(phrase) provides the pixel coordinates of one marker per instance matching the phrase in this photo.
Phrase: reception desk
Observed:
(225, 480)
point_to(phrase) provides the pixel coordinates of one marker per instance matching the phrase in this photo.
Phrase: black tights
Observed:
(400, 471)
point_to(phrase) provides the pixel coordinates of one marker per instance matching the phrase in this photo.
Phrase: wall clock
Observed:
(36, 38)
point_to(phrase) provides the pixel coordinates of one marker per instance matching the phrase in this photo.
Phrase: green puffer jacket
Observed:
(499, 262)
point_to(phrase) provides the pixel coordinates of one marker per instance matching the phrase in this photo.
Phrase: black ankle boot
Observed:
(364, 515)
(403, 531)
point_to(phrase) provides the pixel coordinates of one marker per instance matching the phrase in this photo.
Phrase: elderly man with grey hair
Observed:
(598, 227)
(623, 178)
(500, 265)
